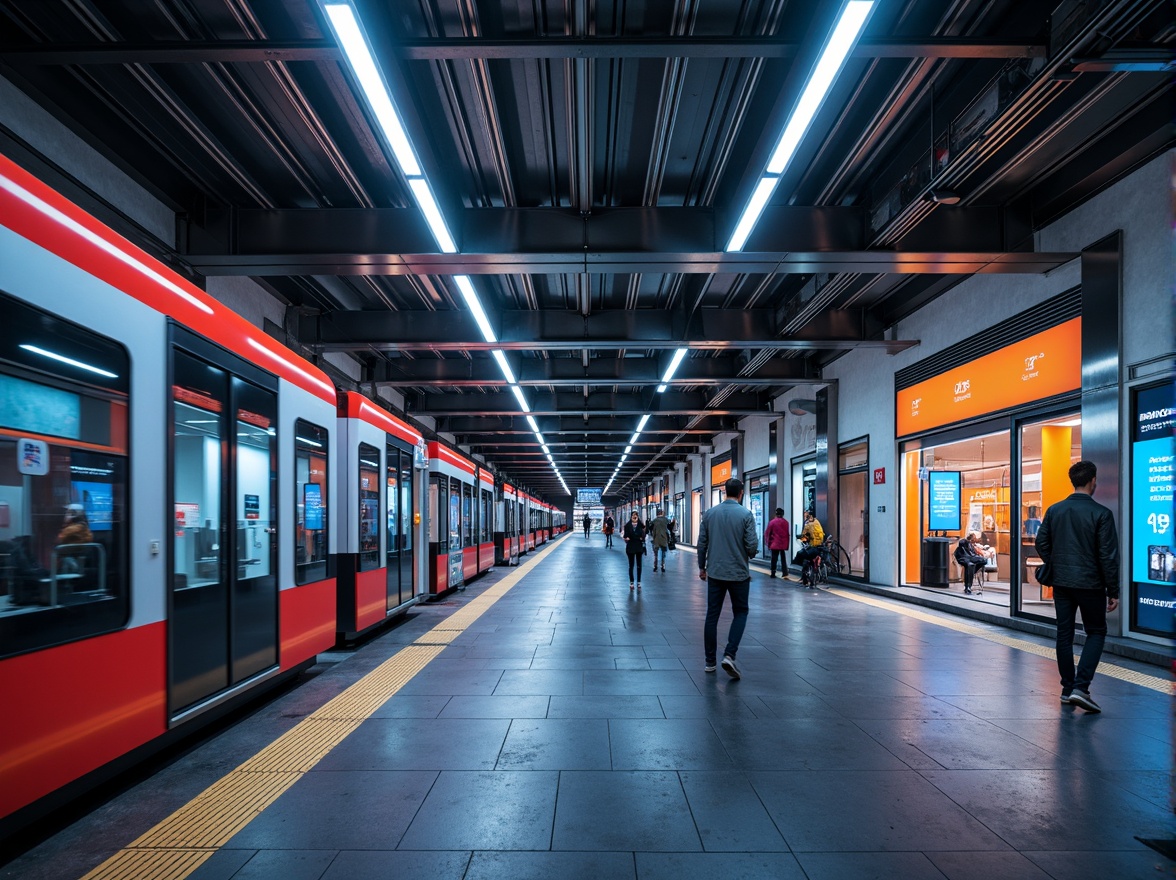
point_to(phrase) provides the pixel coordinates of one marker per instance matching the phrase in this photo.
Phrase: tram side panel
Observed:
(92, 621)
(485, 523)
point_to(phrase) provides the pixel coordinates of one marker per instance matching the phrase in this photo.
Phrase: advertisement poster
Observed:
(252, 507)
(1153, 551)
(312, 496)
(944, 494)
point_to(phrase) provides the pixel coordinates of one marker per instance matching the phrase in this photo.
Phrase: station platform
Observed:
(546, 722)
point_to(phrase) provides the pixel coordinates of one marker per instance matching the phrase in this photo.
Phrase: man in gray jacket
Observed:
(727, 539)
(1079, 544)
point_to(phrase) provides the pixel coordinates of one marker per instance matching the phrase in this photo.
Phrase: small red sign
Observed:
(879, 476)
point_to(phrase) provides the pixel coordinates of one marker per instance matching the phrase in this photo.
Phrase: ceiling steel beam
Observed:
(569, 427)
(504, 241)
(605, 48)
(710, 328)
(566, 372)
(602, 402)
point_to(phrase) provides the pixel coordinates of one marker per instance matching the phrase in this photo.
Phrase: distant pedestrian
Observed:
(659, 533)
(727, 539)
(1079, 546)
(812, 536)
(587, 524)
(608, 528)
(634, 535)
(778, 540)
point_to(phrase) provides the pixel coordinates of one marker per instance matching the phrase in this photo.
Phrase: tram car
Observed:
(506, 529)
(377, 573)
(167, 513)
(461, 542)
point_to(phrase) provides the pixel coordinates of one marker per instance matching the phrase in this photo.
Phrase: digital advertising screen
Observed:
(98, 501)
(312, 506)
(588, 496)
(1153, 551)
(943, 489)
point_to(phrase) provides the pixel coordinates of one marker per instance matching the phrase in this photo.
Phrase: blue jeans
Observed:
(659, 557)
(715, 590)
(1093, 605)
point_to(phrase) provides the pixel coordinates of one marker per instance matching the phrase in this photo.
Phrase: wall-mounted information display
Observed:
(1153, 475)
(943, 489)
(588, 496)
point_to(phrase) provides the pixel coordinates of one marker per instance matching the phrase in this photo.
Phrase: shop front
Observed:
(758, 501)
(720, 473)
(985, 445)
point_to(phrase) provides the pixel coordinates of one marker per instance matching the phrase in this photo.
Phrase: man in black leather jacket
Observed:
(1079, 543)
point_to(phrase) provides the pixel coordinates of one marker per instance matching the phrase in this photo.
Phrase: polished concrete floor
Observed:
(571, 732)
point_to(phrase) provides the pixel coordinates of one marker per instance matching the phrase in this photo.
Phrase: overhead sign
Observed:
(1044, 365)
(589, 496)
(1153, 477)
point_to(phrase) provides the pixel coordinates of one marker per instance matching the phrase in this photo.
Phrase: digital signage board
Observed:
(1153, 475)
(588, 496)
(943, 489)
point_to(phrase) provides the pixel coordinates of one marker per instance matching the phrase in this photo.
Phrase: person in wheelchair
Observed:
(812, 537)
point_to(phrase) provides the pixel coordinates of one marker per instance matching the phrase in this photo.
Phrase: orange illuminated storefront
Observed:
(985, 443)
(720, 473)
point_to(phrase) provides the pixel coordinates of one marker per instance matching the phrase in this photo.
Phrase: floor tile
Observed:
(605, 707)
(499, 810)
(546, 865)
(496, 707)
(728, 813)
(380, 865)
(556, 744)
(419, 744)
(744, 866)
(868, 866)
(867, 811)
(666, 744)
(623, 811)
(1134, 864)
(341, 810)
(986, 866)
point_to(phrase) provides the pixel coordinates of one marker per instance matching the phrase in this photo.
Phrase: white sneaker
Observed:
(729, 666)
(710, 667)
(1079, 698)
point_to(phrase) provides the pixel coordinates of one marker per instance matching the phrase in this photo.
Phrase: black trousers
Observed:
(780, 556)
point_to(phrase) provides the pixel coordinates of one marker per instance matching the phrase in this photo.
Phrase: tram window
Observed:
(484, 537)
(64, 397)
(454, 515)
(369, 507)
(436, 525)
(311, 491)
(467, 516)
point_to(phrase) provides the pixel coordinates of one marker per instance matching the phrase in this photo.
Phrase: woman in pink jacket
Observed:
(776, 539)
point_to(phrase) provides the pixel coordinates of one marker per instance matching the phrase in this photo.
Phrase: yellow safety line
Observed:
(1153, 682)
(187, 838)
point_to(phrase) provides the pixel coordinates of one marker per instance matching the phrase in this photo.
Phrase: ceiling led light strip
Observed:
(837, 48)
(358, 52)
(673, 368)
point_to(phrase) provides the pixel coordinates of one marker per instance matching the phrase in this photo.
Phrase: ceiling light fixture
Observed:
(832, 59)
(673, 368)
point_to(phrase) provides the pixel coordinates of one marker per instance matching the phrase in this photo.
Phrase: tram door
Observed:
(223, 615)
(398, 497)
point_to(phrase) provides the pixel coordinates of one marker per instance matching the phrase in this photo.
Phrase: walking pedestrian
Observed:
(778, 540)
(1079, 546)
(659, 533)
(608, 528)
(727, 540)
(634, 535)
(587, 524)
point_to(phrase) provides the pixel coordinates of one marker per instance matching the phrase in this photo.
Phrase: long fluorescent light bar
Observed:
(518, 393)
(68, 360)
(504, 365)
(673, 368)
(475, 306)
(428, 205)
(531, 422)
(641, 424)
(829, 64)
(833, 56)
(355, 46)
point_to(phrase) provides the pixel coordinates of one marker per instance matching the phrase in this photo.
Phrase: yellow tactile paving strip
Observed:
(1153, 682)
(187, 838)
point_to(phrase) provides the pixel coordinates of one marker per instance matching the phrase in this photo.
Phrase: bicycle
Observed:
(833, 559)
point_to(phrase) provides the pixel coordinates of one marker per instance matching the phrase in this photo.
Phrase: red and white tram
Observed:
(160, 428)
(460, 503)
(380, 515)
